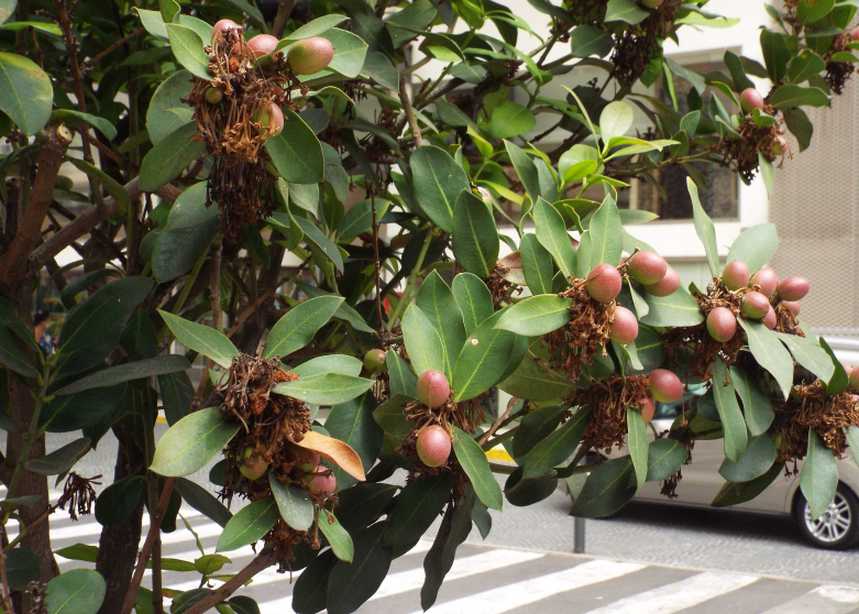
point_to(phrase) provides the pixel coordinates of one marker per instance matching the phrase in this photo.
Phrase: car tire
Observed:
(838, 529)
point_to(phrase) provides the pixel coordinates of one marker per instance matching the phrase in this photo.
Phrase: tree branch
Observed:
(284, 10)
(264, 559)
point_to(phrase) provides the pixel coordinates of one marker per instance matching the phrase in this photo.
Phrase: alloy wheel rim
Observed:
(833, 524)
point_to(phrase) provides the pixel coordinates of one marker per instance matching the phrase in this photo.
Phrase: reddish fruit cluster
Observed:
(433, 389)
(603, 283)
(433, 445)
(310, 55)
(652, 271)
(624, 325)
(665, 386)
(751, 99)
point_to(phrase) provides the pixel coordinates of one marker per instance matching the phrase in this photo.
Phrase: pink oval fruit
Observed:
(854, 34)
(665, 386)
(667, 285)
(767, 281)
(604, 283)
(310, 55)
(433, 445)
(624, 325)
(853, 378)
(222, 25)
(647, 268)
(647, 408)
(793, 288)
(770, 320)
(721, 324)
(735, 275)
(755, 305)
(792, 306)
(750, 98)
(270, 118)
(374, 360)
(263, 44)
(432, 388)
(322, 484)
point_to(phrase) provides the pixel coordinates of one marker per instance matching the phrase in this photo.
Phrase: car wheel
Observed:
(837, 528)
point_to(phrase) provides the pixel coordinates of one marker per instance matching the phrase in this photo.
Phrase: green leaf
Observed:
(390, 418)
(552, 234)
(209, 564)
(454, 528)
(351, 584)
(26, 94)
(79, 591)
(536, 315)
(704, 228)
(329, 363)
(810, 354)
(776, 52)
(200, 338)
(75, 116)
(17, 356)
(327, 389)
(666, 457)
(169, 157)
(300, 324)
(176, 395)
(789, 95)
(755, 246)
(192, 442)
(22, 564)
(734, 493)
(625, 10)
(296, 152)
(436, 301)
(7, 7)
(338, 537)
(423, 342)
(473, 299)
(804, 66)
(603, 240)
(838, 382)
(754, 462)
(293, 503)
(638, 444)
(608, 487)
(578, 162)
(314, 27)
(525, 169)
(127, 372)
(536, 382)
(188, 50)
(586, 40)
(510, 119)
(166, 111)
(416, 508)
(733, 424)
(353, 423)
(677, 309)
(402, 379)
(536, 265)
(438, 182)
(475, 238)
(61, 460)
(487, 356)
(359, 219)
(852, 434)
(810, 11)
(818, 476)
(203, 501)
(117, 502)
(473, 461)
(248, 525)
(350, 51)
(190, 229)
(756, 405)
(315, 236)
(542, 459)
(769, 353)
(616, 120)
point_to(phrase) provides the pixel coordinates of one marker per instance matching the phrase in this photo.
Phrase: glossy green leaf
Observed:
(200, 338)
(390, 418)
(769, 353)
(704, 228)
(327, 389)
(191, 226)
(61, 460)
(351, 584)
(416, 508)
(536, 382)
(338, 537)
(170, 156)
(789, 95)
(192, 442)
(552, 234)
(423, 342)
(757, 406)
(78, 591)
(359, 219)
(7, 7)
(810, 354)
(755, 246)
(525, 169)
(26, 94)
(852, 434)
(320, 240)
(455, 527)
(438, 182)
(352, 422)
(638, 444)
(811, 11)
(16, 355)
(329, 363)
(603, 240)
(536, 315)
(625, 10)
(400, 375)
(248, 525)
(616, 119)
(510, 119)
(607, 489)
(542, 459)
(297, 327)
(296, 152)
(126, 372)
(734, 493)
(818, 476)
(536, 265)
(188, 49)
(72, 116)
(475, 238)
(677, 309)
(587, 40)
(733, 424)
(293, 503)
(22, 564)
(755, 461)
(487, 356)
(350, 52)
(314, 27)
(203, 501)
(117, 502)
(473, 461)
(436, 301)
(665, 458)
(473, 299)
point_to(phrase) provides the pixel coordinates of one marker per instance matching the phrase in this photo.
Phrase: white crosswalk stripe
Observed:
(821, 600)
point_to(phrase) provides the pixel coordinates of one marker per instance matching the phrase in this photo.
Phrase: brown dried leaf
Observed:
(336, 451)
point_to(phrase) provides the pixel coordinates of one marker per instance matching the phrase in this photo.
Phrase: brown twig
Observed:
(408, 109)
(264, 559)
(284, 10)
(98, 57)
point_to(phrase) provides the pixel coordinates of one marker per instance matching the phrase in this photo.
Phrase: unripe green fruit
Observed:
(262, 44)
(322, 484)
(767, 280)
(666, 286)
(750, 98)
(254, 466)
(222, 26)
(310, 55)
(647, 268)
(270, 118)
(624, 325)
(433, 445)
(647, 408)
(735, 275)
(214, 95)
(770, 320)
(665, 386)
(792, 306)
(793, 288)
(433, 389)
(755, 305)
(721, 324)
(374, 360)
(604, 283)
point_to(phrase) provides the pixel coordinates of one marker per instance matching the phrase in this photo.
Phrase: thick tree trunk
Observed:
(117, 547)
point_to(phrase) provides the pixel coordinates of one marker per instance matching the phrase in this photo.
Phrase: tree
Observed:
(429, 231)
